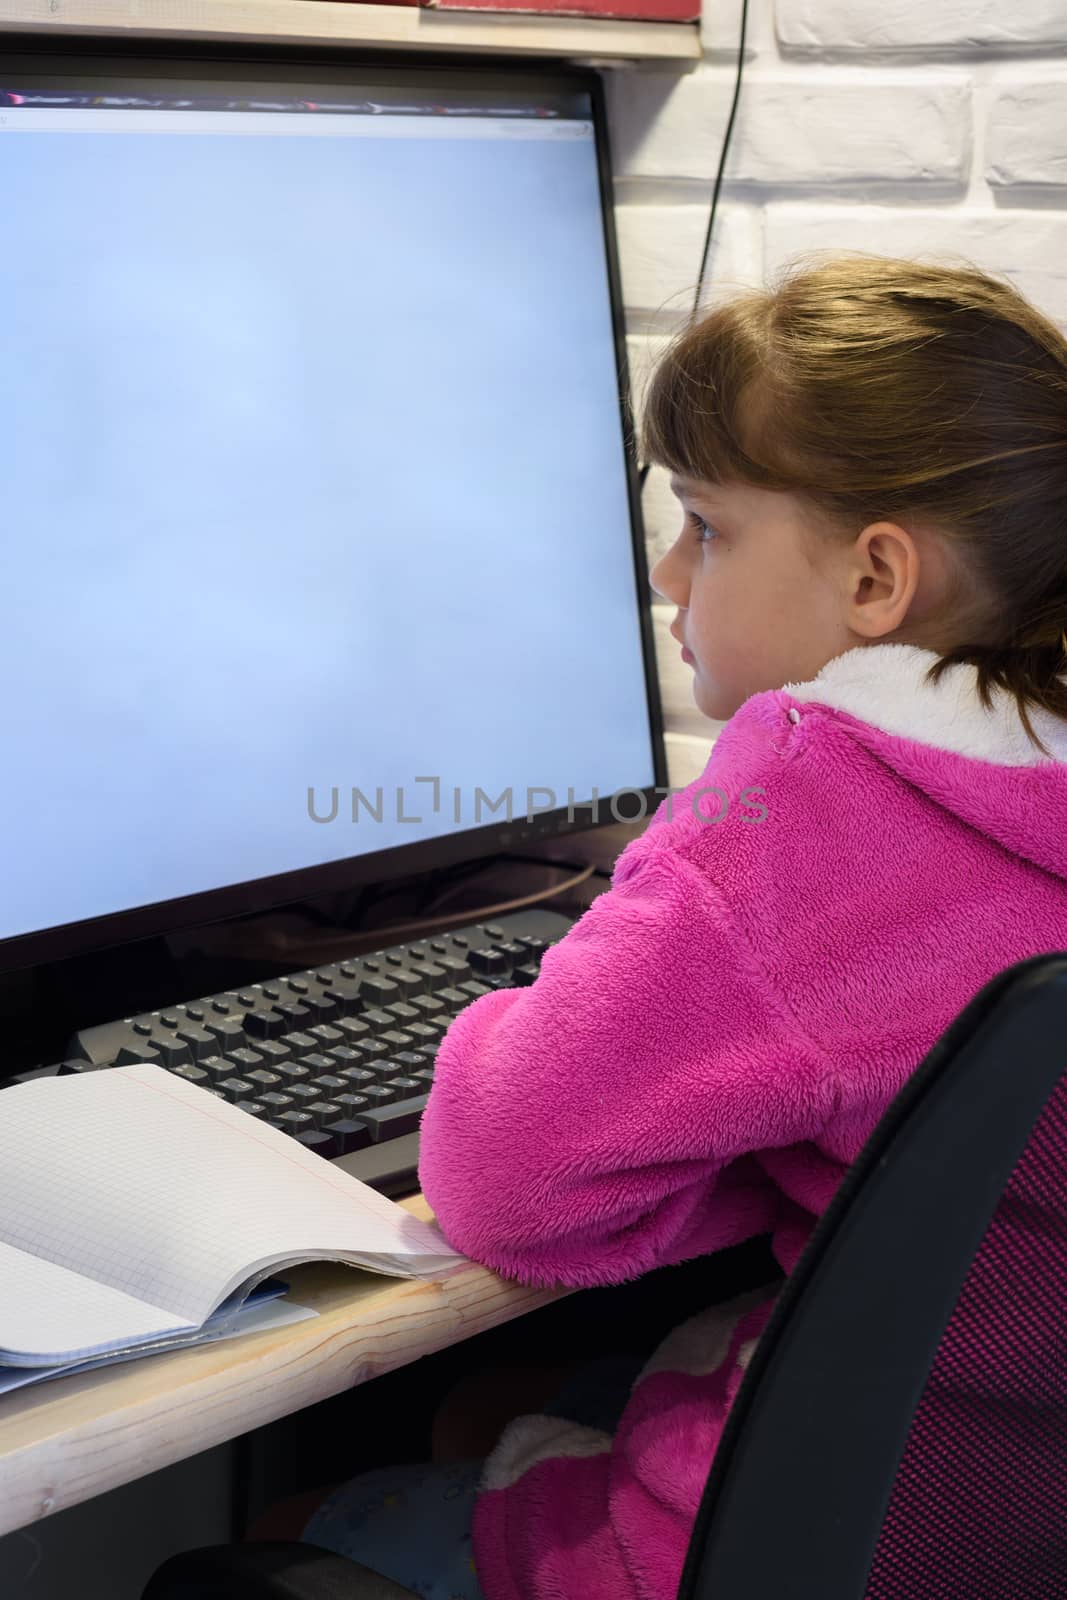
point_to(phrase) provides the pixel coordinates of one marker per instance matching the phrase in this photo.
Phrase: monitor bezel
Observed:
(96, 58)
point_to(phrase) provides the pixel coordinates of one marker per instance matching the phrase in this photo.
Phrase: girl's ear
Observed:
(884, 570)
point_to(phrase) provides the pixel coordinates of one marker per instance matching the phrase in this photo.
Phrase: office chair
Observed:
(901, 1431)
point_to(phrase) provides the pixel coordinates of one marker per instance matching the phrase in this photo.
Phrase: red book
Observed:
(621, 10)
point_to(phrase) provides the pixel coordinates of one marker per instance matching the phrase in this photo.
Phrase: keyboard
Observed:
(339, 1057)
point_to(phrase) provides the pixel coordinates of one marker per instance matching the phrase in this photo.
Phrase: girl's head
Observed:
(869, 451)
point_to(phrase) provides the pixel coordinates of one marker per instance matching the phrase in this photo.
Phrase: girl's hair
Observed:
(880, 389)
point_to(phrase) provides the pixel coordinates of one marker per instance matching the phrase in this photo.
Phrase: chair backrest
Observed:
(901, 1431)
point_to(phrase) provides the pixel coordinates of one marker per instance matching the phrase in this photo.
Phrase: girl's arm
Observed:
(600, 1123)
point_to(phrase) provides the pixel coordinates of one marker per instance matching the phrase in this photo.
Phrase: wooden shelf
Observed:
(336, 22)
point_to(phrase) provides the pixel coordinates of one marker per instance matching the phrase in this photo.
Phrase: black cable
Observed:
(548, 861)
(642, 472)
(722, 161)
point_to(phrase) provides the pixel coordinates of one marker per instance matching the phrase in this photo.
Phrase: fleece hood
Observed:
(977, 763)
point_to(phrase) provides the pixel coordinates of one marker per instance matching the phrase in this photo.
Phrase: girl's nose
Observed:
(667, 580)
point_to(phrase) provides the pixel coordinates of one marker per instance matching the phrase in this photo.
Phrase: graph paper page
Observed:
(49, 1310)
(151, 1187)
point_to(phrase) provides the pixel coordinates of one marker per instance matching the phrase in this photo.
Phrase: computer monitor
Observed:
(325, 561)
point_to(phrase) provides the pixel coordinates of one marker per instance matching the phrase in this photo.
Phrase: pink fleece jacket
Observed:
(707, 1050)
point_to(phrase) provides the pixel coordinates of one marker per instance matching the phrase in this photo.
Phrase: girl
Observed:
(871, 585)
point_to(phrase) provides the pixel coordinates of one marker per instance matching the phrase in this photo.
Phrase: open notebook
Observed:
(134, 1205)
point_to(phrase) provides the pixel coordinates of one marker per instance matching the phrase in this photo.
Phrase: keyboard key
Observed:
(323, 1007)
(459, 970)
(349, 1134)
(195, 1075)
(493, 929)
(401, 1011)
(326, 1034)
(298, 1016)
(216, 1067)
(292, 1071)
(407, 981)
(319, 1111)
(245, 1058)
(142, 1027)
(353, 1028)
(423, 1034)
(264, 1080)
(378, 1019)
(431, 1005)
(474, 990)
(376, 1094)
(378, 990)
(397, 1040)
(322, 1142)
(431, 974)
(411, 1060)
(169, 1020)
(514, 951)
(255, 1108)
(302, 1094)
(237, 1089)
(348, 996)
(131, 1054)
(227, 1033)
(294, 1122)
(301, 1043)
(299, 985)
(273, 1051)
(329, 1081)
(317, 1062)
(173, 1052)
(265, 1024)
(488, 961)
(389, 1122)
(273, 1102)
(369, 1049)
(355, 1077)
(343, 1055)
(522, 977)
(350, 1105)
(403, 1087)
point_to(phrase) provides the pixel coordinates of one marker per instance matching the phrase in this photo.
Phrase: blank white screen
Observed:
(313, 476)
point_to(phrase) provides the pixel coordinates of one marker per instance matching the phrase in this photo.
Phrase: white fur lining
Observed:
(746, 1352)
(885, 685)
(527, 1440)
(697, 1346)
(701, 1344)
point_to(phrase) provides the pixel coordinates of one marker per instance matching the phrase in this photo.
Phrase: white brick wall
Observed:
(930, 128)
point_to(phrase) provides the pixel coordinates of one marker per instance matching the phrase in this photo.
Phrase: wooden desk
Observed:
(62, 1442)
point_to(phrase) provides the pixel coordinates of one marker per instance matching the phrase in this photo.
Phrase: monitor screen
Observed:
(322, 539)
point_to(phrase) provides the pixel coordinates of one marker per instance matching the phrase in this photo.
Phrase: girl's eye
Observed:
(700, 528)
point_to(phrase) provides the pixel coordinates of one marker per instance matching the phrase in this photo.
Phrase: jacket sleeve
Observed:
(601, 1122)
